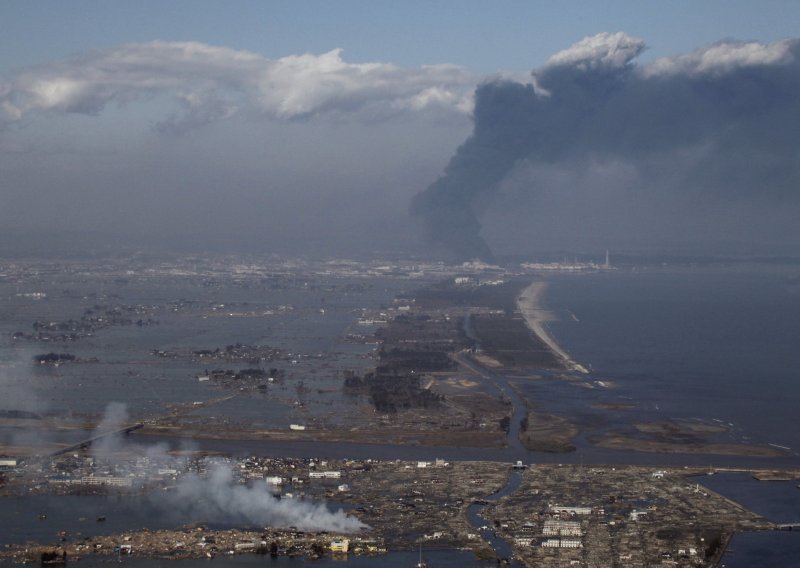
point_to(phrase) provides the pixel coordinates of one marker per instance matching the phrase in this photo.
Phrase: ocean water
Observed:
(691, 342)
(777, 501)
(777, 549)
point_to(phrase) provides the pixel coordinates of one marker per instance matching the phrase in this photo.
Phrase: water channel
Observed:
(475, 515)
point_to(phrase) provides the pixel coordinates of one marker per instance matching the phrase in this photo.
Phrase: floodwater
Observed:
(675, 343)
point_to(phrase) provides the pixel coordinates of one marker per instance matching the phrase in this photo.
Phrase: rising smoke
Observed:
(114, 418)
(217, 497)
(714, 125)
(19, 398)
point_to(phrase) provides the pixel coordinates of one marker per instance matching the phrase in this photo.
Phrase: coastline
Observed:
(529, 305)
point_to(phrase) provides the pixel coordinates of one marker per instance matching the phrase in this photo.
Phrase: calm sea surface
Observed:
(714, 343)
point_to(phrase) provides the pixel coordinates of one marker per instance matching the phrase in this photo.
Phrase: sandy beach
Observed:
(529, 304)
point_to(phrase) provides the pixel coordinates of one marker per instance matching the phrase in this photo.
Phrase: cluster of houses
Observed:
(558, 531)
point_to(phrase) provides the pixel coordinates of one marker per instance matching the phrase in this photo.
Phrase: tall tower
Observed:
(608, 262)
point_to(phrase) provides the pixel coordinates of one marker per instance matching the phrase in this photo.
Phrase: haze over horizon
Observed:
(633, 127)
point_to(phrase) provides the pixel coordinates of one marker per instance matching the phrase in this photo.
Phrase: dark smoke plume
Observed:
(725, 118)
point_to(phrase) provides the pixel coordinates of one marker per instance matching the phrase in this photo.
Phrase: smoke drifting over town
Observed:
(688, 147)
(217, 497)
(19, 398)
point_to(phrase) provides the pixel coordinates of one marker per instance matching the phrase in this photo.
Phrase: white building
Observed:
(561, 528)
(571, 510)
(107, 480)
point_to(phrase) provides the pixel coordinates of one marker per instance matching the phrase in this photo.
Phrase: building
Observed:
(340, 545)
(561, 528)
(571, 510)
(325, 474)
(107, 480)
(561, 543)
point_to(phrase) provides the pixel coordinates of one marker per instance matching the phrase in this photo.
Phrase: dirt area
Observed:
(391, 434)
(614, 405)
(547, 433)
(487, 361)
(676, 429)
(618, 442)
(682, 436)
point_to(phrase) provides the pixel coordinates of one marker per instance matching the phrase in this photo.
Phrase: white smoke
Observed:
(219, 498)
(16, 384)
(114, 418)
(17, 393)
(216, 498)
(116, 446)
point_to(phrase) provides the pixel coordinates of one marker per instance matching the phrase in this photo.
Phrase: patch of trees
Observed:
(390, 393)
(509, 340)
(496, 297)
(505, 424)
(251, 354)
(402, 361)
(52, 358)
(20, 414)
(244, 374)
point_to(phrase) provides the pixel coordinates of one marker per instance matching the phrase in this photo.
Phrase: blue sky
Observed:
(482, 36)
(311, 123)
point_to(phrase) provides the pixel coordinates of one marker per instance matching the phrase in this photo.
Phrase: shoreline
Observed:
(529, 305)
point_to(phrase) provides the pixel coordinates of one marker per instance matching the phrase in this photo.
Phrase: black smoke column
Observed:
(502, 135)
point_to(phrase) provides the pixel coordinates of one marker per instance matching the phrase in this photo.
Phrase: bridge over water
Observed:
(125, 430)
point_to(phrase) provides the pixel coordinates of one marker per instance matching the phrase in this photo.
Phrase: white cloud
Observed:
(601, 50)
(213, 83)
(723, 57)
